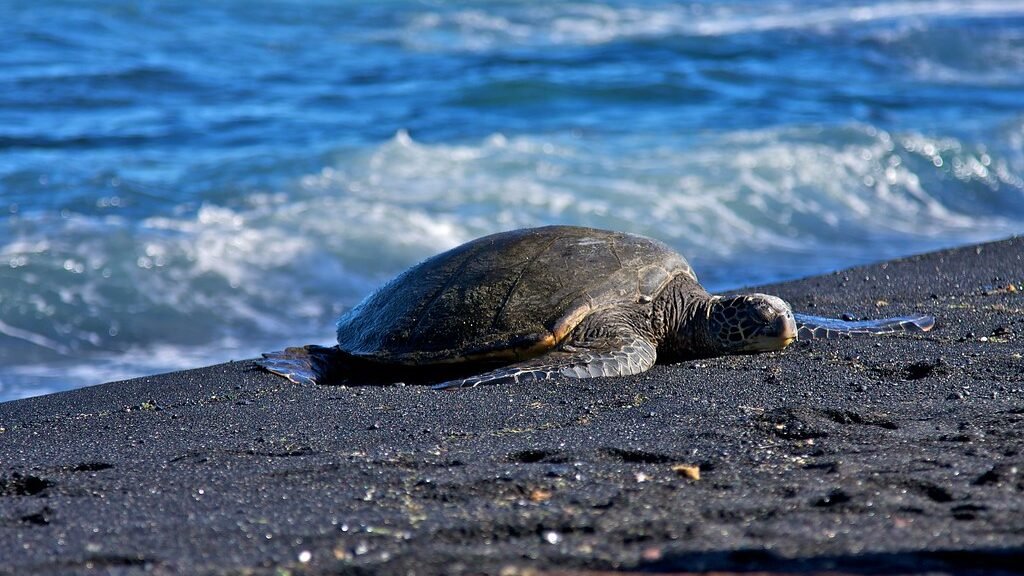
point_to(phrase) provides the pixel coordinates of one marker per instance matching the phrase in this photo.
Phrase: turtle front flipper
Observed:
(609, 357)
(302, 365)
(809, 327)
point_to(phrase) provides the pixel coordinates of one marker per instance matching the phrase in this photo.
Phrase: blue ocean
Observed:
(189, 182)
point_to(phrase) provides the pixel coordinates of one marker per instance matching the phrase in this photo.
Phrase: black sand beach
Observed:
(871, 455)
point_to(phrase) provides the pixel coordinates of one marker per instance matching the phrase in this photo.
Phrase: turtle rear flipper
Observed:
(810, 327)
(302, 365)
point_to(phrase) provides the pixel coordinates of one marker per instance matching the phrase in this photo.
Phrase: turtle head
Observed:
(750, 323)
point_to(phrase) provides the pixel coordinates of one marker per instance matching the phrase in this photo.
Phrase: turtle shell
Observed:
(507, 296)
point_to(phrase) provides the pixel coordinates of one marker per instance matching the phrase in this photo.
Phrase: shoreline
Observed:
(865, 455)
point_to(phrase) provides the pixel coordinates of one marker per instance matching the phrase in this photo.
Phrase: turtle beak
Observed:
(785, 327)
(774, 336)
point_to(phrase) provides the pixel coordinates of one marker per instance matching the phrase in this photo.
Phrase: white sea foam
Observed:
(25, 380)
(747, 188)
(829, 18)
(584, 23)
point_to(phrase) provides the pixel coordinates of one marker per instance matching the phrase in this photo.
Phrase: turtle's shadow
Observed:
(336, 368)
(362, 373)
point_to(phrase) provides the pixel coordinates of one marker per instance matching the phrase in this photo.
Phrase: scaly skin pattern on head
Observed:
(691, 323)
(752, 323)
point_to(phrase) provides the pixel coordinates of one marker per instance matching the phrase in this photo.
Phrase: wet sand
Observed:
(889, 454)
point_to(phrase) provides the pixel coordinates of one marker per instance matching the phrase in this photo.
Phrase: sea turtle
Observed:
(537, 303)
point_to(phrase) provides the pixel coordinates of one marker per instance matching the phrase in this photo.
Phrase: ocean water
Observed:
(188, 182)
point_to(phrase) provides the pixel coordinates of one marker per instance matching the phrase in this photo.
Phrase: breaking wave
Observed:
(189, 287)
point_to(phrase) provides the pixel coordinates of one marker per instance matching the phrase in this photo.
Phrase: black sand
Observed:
(894, 454)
